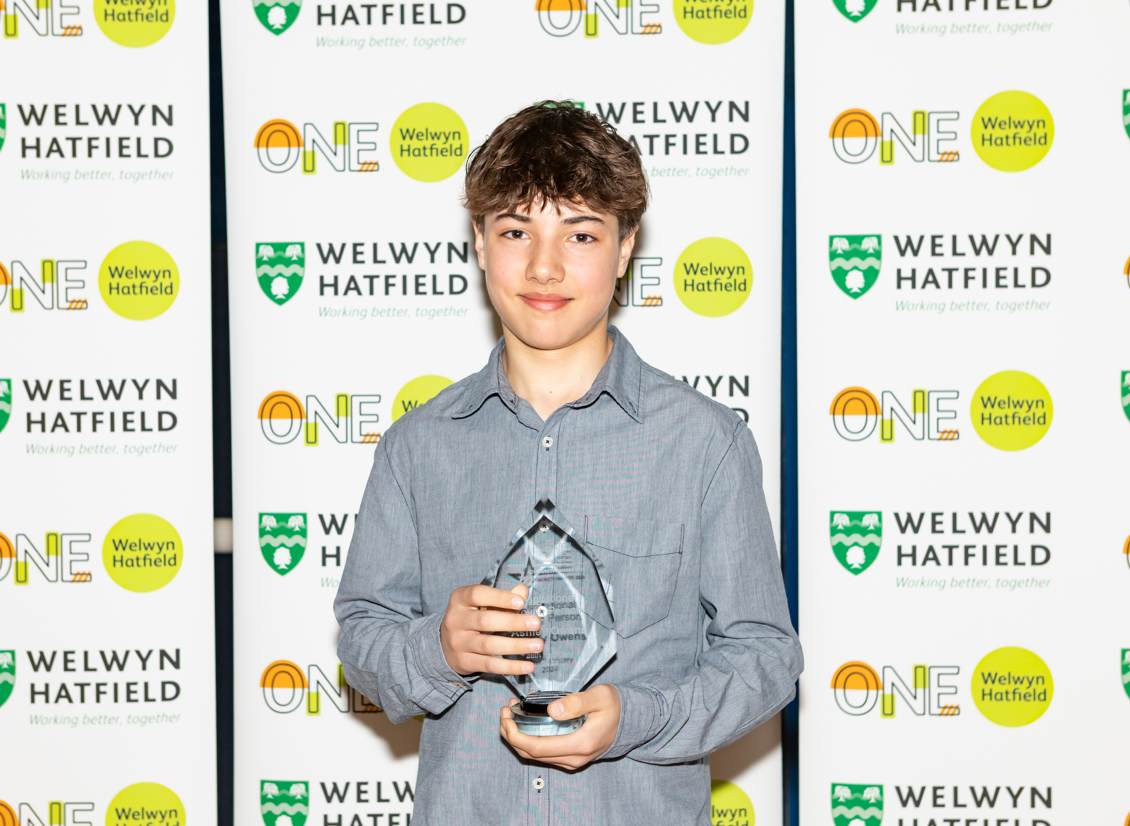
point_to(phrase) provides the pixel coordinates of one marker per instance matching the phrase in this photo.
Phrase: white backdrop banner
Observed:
(356, 296)
(963, 403)
(107, 678)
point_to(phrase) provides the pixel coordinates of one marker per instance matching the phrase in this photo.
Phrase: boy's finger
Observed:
(496, 646)
(483, 596)
(572, 706)
(498, 665)
(521, 590)
(492, 622)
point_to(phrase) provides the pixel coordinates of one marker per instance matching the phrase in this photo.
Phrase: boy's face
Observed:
(550, 273)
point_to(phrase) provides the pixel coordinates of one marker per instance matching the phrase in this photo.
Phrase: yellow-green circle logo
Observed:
(729, 805)
(713, 21)
(139, 280)
(429, 142)
(142, 553)
(713, 277)
(135, 24)
(1011, 410)
(1012, 131)
(1012, 687)
(143, 803)
(416, 392)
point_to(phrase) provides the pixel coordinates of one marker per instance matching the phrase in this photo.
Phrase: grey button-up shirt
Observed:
(665, 486)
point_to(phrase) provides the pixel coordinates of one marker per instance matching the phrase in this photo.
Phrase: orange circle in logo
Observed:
(283, 674)
(8, 552)
(849, 675)
(854, 123)
(281, 405)
(855, 401)
(278, 134)
(7, 815)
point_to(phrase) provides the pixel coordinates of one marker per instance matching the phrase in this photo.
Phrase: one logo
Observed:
(282, 539)
(855, 261)
(3, 124)
(279, 268)
(1125, 396)
(286, 689)
(855, 10)
(279, 146)
(856, 537)
(283, 417)
(857, 804)
(856, 134)
(1125, 675)
(5, 402)
(284, 802)
(857, 689)
(562, 18)
(276, 18)
(857, 414)
(7, 677)
(1126, 111)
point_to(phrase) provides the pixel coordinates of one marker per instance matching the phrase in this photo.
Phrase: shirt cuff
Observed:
(641, 718)
(426, 652)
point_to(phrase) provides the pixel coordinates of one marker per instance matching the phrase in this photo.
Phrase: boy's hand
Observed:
(570, 751)
(474, 615)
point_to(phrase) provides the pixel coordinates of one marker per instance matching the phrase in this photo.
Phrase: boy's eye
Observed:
(515, 234)
(584, 238)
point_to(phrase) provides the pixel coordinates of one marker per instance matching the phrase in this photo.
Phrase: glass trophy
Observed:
(571, 593)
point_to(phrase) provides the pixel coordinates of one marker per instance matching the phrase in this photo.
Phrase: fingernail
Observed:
(556, 709)
(517, 602)
(535, 645)
(533, 622)
(528, 667)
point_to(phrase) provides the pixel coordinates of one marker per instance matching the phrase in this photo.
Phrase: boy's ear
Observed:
(627, 244)
(479, 243)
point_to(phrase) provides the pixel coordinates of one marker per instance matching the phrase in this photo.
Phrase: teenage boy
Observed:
(663, 483)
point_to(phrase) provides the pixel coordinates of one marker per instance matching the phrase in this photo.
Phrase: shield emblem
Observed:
(5, 402)
(279, 268)
(7, 675)
(1126, 393)
(854, 10)
(3, 124)
(284, 802)
(857, 804)
(282, 539)
(855, 261)
(856, 537)
(1126, 671)
(277, 15)
(1126, 111)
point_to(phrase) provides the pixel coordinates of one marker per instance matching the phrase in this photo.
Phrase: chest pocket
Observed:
(642, 557)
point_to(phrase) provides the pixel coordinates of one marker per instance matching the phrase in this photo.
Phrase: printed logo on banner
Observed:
(282, 540)
(56, 562)
(562, 18)
(856, 538)
(108, 676)
(276, 18)
(145, 801)
(279, 145)
(730, 805)
(1012, 687)
(8, 815)
(855, 261)
(143, 553)
(1125, 672)
(856, 687)
(282, 417)
(3, 124)
(1011, 410)
(856, 413)
(43, 19)
(429, 142)
(416, 393)
(285, 686)
(7, 676)
(857, 804)
(1013, 131)
(855, 135)
(284, 802)
(280, 267)
(713, 277)
(5, 402)
(1125, 394)
(1126, 111)
(855, 10)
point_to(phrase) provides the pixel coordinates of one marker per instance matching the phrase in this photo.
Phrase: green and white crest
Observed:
(1125, 673)
(856, 537)
(855, 261)
(854, 10)
(7, 675)
(1125, 395)
(282, 539)
(284, 802)
(3, 124)
(277, 15)
(279, 268)
(1125, 113)
(857, 804)
(5, 402)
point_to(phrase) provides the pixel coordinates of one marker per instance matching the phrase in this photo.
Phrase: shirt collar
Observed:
(620, 377)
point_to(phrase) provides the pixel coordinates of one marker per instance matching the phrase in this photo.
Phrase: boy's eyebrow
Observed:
(580, 219)
(514, 216)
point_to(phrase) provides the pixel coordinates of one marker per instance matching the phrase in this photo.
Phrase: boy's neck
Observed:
(548, 379)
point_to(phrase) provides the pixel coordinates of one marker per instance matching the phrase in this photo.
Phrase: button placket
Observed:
(547, 456)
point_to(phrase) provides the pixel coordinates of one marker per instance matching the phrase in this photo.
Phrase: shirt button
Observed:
(538, 783)
(547, 442)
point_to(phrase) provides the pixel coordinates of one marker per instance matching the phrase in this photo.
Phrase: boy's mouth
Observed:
(546, 302)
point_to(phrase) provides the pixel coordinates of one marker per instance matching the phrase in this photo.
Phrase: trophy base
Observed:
(532, 718)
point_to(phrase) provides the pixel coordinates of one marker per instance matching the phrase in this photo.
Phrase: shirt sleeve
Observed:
(752, 659)
(389, 649)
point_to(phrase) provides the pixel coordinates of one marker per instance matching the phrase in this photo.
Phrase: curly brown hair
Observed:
(556, 152)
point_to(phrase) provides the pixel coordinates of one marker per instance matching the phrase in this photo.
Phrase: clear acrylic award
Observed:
(571, 594)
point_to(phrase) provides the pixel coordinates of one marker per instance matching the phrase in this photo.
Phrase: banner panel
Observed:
(356, 296)
(962, 308)
(107, 665)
